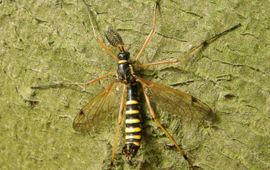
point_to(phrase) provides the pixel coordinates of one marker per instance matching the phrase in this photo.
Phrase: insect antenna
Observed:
(114, 38)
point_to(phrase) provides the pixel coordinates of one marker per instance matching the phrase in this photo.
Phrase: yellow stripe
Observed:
(133, 137)
(135, 143)
(133, 120)
(131, 102)
(132, 111)
(122, 61)
(136, 129)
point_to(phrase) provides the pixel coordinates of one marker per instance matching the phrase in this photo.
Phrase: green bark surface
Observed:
(43, 42)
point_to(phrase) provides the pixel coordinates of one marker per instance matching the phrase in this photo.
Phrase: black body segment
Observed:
(125, 70)
(123, 56)
(133, 122)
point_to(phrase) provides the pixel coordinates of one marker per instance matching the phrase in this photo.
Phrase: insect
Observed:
(98, 110)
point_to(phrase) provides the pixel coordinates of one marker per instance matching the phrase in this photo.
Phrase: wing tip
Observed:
(77, 126)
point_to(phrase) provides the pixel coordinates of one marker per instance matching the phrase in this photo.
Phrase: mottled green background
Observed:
(43, 42)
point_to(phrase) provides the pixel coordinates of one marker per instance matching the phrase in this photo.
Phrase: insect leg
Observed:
(154, 116)
(94, 80)
(205, 43)
(151, 34)
(158, 63)
(81, 85)
(119, 122)
(99, 40)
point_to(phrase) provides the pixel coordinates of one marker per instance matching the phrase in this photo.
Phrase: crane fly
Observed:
(97, 111)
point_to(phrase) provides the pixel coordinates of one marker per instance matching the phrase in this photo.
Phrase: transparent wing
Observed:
(172, 101)
(100, 111)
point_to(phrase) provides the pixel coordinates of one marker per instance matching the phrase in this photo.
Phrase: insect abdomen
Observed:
(133, 122)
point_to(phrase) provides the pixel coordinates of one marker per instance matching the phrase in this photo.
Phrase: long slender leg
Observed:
(154, 116)
(205, 43)
(158, 63)
(99, 40)
(81, 85)
(119, 123)
(94, 80)
(151, 34)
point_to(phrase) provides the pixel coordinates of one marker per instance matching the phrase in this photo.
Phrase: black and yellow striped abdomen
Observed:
(133, 122)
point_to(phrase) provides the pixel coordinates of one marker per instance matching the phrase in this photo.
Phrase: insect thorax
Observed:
(125, 70)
